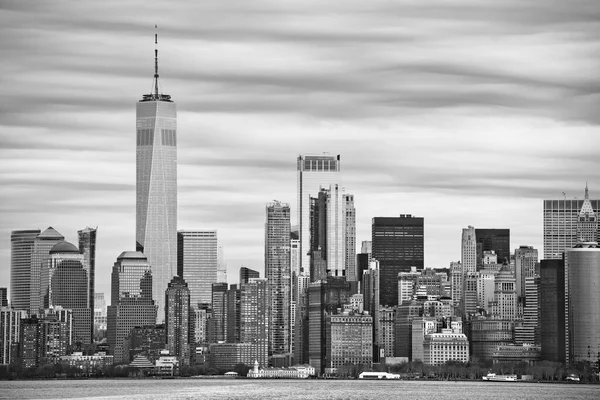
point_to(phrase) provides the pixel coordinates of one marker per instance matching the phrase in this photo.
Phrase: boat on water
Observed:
(499, 378)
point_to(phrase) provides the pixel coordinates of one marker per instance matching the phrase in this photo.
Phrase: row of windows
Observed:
(145, 137)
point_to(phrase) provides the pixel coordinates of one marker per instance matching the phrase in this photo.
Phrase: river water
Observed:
(154, 389)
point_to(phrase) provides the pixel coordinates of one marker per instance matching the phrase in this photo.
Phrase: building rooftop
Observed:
(64, 247)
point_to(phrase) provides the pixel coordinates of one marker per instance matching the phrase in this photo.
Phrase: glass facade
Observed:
(197, 263)
(156, 190)
(41, 249)
(87, 247)
(497, 240)
(21, 249)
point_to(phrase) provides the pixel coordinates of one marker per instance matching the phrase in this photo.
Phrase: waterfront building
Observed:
(405, 314)
(552, 310)
(561, 221)
(386, 340)
(497, 240)
(530, 331)
(487, 334)
(234, 314)
(29, 340)
(314, 172)
(179, 338)
(21, 250)
(278, 274)
(370, 289)
(225, 356)
(516, 353)
(147, 341)
(86, 364)
(156, 187)
(10, 331)
(254, 324)
(65, 282)
(421, 326)
(526, 264)
(131, 300)
(303, 371)
(583, 308)
(439, 348)
(197, 263)
(87, 247)
(349, 340)
(397, 245)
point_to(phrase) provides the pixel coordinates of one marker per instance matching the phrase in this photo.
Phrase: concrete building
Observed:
(225, 356)
(278, 274)
(99, 312)
(552, 310)
(246, 274)
(156, 187)
(526, 266)
(147, 341)
(514, 354)
(398, 245)
(468, 250)
(386, 340)
(583, 309)
(313, 173)
(131, 300)
(421, 326)
(405, 314)
(504, 305)
(438, 348)
(487, 334)
(254, 326)
(10, 331)
(349, 340)
(197, 263)
(406, 285)
(561, 219)
(179, 335)
(350, 238)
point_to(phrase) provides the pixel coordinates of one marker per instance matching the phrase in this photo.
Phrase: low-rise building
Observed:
(303, 371)
(438, 348)
(226, 356)
(87, 364)
(513, 354)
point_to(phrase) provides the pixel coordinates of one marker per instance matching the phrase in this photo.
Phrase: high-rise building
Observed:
(277, 272)
(561, 219)
(87, 247)
(587, 222)
(21, 250)
(3, 297)
(197, 263)
(99, 313)
(179, 338)
(10, 329)
(371, 286)
(131, 300)
(156, 186)
(526, 260)
(349, 340)
(504, 305)
(219, 312)
(65, 283)
(234, 314)
(254, 326)
(468, 250)
(246, 274)
(583, 307)
(42, 245)
(314, 172)
(493, 239)
(552, 310)
(350, 233)
(221, 265)
(530, 331)
(397, 245)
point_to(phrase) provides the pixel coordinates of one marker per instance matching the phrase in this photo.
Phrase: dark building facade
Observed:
(398, 244)
(179, 335)
(246, 274)
(552, 310)
(497, 240)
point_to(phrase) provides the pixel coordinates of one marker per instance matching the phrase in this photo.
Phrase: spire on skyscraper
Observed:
(587, 196)
(155, 95)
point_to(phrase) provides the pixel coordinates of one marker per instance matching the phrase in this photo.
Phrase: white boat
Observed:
(499, 378)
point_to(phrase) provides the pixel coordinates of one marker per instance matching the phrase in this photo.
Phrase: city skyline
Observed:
(423, 128)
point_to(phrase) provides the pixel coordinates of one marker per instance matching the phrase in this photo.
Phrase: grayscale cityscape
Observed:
(306, 192)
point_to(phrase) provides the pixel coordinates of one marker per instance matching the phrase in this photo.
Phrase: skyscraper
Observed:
(314, 172)
(197, 263)
(493, 239)
(10, 328)
(468, 251)
(561, 218)
(277, 272)
(254, 324)
(131, 300)
(526, 259)
(177, 320)
(587, 222)
(350, 237)
(397, 244)
(42, 245)
(65, 283)
(87, 247)
(552, 310)
(156, 186)
(583, 308)
(3, 297)
(21, 249)
(246, 274)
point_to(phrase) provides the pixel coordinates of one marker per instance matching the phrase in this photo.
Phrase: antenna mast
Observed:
(156, 64)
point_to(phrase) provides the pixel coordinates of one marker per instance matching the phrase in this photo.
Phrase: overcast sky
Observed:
(461, 112)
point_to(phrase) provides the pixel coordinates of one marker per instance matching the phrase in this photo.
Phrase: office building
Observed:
(278, 274)
(197, 262)
(225, 356)
(221, 265)
(87, 247)
(246, 274)
(439, 348)
(487, 334)
(530, 331)
(156, 187)
(218, 325)
(468, 250)
(405, 314)
(147, 341)
(504, 305)
(234, 314)
(397, 245)
(65, 283)
(371, 286)
(313, 173)
(583, 309)
(42, 245)
(349, 340)
(526, 263)
(21, 250)
(552, 310)
(131, 300)
(99, 313)
(587, 222)
(10, 330)
(179, 337)
(254, 324)
(561, 219)
(3, 297)
(497, 240)
(386, 335)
